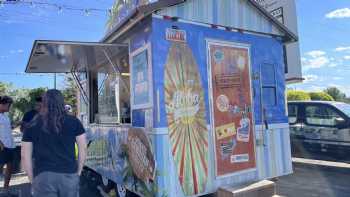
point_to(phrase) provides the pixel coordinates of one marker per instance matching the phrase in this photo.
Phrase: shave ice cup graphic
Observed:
(243, 131)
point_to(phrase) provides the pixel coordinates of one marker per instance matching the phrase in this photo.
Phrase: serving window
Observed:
(112, 91)
(101, 71)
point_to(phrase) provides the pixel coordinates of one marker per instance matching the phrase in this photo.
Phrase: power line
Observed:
(31, 74)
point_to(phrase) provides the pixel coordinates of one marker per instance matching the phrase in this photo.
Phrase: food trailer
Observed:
(180, 97)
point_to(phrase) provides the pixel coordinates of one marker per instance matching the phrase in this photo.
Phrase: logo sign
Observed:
(278, 14)
(176, 35)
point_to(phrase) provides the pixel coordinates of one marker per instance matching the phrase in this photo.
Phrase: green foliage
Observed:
(4, 88)
(297, 95)
(320, 96)
(24, 101)
(335, 93)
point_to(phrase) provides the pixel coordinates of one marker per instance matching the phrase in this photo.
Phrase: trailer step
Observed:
(263, 188)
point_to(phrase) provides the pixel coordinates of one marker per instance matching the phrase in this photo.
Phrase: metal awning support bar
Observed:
(115, 68)
(80, 86)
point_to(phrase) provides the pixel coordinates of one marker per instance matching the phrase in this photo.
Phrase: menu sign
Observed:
(232, 103)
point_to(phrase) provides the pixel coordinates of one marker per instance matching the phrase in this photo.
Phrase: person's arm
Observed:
(81, 142)
(26, 156)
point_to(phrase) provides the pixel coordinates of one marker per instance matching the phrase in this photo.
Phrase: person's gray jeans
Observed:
(51, 184)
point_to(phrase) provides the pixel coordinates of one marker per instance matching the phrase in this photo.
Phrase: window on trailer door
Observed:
(269, 85)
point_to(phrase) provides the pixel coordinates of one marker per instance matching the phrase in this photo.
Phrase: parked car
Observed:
(320, 126)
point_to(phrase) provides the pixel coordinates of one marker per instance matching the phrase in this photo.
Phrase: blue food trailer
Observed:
(180, 97)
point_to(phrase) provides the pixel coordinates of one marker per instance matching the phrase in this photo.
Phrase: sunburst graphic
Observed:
(186, 118)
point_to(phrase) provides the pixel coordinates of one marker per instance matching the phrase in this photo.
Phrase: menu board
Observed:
(141, 79)
(231, 108)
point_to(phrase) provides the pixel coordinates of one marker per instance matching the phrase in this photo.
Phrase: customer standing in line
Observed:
(7, 144)
(29, 116)
(50, 138)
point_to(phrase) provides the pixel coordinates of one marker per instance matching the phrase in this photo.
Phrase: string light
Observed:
(30, 74)
(32, 5)
(60, 10)
(60, 7)
(87, 12)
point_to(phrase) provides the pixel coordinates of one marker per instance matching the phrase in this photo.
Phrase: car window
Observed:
(292, 113)
(345, 108)
(322, 115)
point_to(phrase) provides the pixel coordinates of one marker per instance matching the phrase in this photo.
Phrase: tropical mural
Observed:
(121, 9)
(186, 118)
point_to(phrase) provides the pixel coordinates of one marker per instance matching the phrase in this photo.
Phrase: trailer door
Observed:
(231, 107)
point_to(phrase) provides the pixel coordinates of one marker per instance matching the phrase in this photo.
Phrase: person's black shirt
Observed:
(28, 116)
(54, 152)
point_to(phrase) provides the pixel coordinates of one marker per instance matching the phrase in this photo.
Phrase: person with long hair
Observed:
(50, 139)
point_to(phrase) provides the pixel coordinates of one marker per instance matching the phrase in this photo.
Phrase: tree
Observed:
(335, 93)
(24, 100)
(5, 88)
(297, 95)
(320, 96)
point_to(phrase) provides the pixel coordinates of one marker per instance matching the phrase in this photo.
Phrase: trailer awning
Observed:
(62, 56)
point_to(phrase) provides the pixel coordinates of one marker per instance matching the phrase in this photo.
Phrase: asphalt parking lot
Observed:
(311, 178)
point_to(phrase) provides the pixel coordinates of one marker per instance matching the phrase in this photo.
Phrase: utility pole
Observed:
(54, 83)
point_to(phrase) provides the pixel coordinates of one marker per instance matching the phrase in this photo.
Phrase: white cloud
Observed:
(310, 78)
(337, 78)
(340, 49)
(339, 13)
(347, 57)
(317, 62)
(315, 59)
(332, 65)
(315, 88)
(16, 51)
(316, 53)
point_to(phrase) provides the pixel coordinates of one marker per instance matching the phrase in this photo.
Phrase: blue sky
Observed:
(324, 30)
(21, 24)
